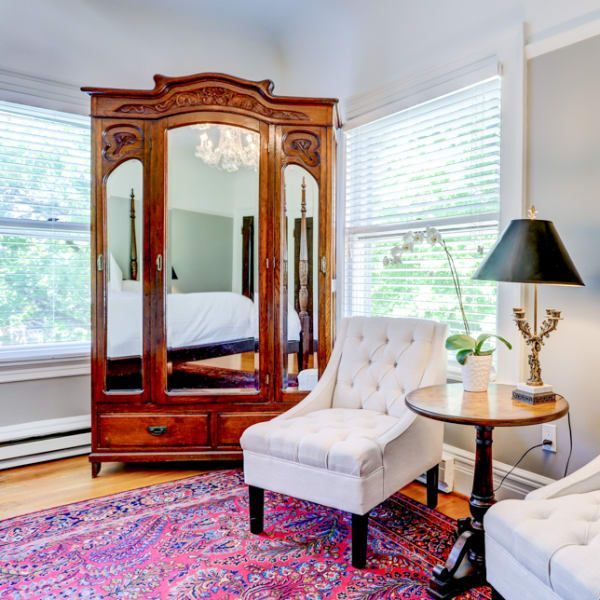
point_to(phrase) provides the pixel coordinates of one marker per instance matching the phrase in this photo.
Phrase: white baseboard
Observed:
(517, 485)
(39, 441)
(446, 474)
(33, 429)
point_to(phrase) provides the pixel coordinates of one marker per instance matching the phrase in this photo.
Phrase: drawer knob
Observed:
(157, 429)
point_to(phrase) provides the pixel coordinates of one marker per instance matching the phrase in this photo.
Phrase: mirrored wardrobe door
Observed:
(211, 260)
(124, 268)
(300, 293)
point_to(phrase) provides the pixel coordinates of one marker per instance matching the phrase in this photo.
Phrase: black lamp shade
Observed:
(529, 251)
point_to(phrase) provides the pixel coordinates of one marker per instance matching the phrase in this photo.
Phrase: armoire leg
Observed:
(96, 466)
(257, 508)
(433, 477)
(360, 529)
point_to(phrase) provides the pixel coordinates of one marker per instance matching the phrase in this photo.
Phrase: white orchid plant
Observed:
(464, 344)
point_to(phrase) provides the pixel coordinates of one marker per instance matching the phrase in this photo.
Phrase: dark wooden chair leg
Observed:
(257, 508)
(433, 478)
(360, 530)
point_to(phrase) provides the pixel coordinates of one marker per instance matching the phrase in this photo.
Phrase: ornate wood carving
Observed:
(211, 96)
(121, 141)
(304, 146)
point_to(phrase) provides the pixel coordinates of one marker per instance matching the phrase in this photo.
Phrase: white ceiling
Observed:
(312, 47)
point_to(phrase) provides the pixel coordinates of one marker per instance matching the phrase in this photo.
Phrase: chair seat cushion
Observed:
(343, 440)
(557, 540)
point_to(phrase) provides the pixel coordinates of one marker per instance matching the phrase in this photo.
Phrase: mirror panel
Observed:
(300, 292)
(212, 312)
(123, 260)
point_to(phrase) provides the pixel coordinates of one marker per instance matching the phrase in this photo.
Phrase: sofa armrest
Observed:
(586, 479)
(321, 396)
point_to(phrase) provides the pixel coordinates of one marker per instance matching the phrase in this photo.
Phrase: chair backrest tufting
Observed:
(385, 358)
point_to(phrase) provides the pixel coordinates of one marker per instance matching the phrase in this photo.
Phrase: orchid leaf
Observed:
(461, 355)
(486, 336)
(460, 341)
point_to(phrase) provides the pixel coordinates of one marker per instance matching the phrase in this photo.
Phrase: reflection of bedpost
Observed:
(284, 290)
(133, 262)
(248, 257)
(305, 324)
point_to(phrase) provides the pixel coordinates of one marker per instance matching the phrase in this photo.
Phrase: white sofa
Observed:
(547, 547)
(352, 442)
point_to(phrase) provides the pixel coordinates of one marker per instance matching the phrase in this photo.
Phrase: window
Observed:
(437, 165)
(44, 233)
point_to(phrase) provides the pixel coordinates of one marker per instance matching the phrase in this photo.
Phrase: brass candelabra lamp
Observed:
(531, 251)
(535, 339)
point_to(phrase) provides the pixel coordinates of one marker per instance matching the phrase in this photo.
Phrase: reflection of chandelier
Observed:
(232, 149)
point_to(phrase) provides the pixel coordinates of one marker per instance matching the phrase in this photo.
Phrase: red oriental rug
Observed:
(190, 539)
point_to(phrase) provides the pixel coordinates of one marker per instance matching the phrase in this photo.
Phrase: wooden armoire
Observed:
(213, 262)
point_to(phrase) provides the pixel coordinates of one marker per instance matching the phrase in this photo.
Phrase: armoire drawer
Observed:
(144, 430)
(230, 426)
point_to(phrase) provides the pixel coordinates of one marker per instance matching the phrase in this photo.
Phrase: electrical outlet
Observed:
(549, 433)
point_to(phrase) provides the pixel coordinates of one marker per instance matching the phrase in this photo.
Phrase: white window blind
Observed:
(436, 164)
(44, 232)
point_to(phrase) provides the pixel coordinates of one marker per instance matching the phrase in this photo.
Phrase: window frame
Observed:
(43, 361)
(503, 54)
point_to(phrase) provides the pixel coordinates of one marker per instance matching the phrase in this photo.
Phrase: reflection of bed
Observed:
(199, 326)
(197, 320)
(205, 325)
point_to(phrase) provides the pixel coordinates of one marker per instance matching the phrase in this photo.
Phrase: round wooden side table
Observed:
(465, 567)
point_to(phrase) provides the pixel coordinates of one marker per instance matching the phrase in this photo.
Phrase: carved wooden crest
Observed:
(304, 146)
(210, 96)
(122, 141)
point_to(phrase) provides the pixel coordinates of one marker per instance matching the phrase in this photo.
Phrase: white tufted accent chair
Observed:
(548, 545)
(352, 442)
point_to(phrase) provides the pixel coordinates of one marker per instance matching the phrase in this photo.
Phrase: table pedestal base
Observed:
(465, 567)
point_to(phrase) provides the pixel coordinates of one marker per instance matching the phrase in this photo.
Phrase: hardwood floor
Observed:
(50, 484)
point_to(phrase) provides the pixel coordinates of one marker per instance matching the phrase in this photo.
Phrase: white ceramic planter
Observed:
(476, 373)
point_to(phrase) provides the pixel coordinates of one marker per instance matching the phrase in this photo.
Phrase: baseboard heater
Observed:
(39, 441)
(446, 480)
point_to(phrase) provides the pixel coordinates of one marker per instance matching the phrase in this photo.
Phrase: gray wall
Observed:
(563, 165)
(201, 250)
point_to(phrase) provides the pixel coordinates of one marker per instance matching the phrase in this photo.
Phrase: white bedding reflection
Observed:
(192, 319)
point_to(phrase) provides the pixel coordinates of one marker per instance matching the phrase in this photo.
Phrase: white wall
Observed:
(123, 43)
(365, 45)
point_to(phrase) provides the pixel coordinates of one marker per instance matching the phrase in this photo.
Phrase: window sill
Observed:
(44, 368)
(453, 376)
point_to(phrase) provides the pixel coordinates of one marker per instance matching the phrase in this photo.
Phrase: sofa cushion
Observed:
(558, 540)
(343, 440)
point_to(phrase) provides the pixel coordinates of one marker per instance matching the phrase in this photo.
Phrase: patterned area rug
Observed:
(190, 539)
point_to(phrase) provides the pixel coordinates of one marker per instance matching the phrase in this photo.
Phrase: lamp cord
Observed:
(570, 443)
(517, 464)
(539, 446)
